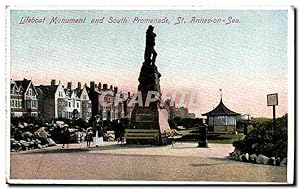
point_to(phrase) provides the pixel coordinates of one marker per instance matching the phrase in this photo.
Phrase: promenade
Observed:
(183, 162)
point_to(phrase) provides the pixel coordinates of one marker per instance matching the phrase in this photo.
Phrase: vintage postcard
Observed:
(150, 95)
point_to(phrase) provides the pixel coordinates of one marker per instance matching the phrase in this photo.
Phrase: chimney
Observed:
(99, 85)
(79, 85)
(111, 87)
(92, 85)
(69, 85)
(115, 89)
(53, 82)
(104, 86)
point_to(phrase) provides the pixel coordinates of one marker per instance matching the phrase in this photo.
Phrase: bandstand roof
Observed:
(221, 110)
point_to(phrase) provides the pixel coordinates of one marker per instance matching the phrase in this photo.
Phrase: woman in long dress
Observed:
(98, 132)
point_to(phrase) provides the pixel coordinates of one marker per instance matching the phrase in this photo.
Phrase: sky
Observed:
(247, 60)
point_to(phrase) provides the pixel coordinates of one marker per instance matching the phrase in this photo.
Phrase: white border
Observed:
(160, 7)
(291, 92)
(7, 94)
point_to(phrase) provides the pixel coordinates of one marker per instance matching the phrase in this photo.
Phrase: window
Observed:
(77, 104)
(219, 120)
(34, 104)
(69, 104)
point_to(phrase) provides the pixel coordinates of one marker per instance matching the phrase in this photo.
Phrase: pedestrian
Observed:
(66, 137)
(101, 135)
(98, 131)
(79, 136)
(120, 138)
(116, 130)
(89, 137)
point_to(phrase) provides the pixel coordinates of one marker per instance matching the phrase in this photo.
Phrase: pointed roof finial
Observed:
(221, 93)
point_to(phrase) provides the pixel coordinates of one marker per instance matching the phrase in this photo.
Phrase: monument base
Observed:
(164, 141)
(147, 126)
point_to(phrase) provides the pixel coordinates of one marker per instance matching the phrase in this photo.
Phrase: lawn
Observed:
(192, 135)
(226, 139)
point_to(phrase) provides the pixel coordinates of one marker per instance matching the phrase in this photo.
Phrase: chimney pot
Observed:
(104, 86)
(53, 82)
(69, 85)
(92, 85)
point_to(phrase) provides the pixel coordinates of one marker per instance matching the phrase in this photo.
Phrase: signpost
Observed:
(272, 100)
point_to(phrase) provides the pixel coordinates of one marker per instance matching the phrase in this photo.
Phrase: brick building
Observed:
(23, 98)
(58, 102)
(103, 102)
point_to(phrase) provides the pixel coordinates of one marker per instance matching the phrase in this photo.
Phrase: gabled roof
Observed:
(70, 93)
(221, 110)
(78, 92)
(12, 84)
(47, 91)
(96, 90)
(23, 83)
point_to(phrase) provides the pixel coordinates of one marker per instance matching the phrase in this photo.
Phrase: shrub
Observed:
(262, 140)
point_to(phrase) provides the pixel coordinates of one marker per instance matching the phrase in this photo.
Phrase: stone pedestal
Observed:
(152, 116)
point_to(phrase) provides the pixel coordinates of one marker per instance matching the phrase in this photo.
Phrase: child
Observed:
(89, 137)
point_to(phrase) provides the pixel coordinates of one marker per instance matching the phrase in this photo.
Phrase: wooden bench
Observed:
(141, 134)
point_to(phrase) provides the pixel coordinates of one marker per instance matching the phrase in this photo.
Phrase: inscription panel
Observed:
(144, 117)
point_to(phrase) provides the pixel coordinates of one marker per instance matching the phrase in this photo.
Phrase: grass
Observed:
(220, 139)
(226, 139)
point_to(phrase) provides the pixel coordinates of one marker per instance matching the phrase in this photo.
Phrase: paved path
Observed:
(183, 162)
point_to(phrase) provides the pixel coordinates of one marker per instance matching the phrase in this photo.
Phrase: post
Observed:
(246, 118)
(202, 141)
(274, 122)
(272, 100)
(245, 128)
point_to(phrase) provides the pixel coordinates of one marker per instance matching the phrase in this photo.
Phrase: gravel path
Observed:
(183, 162)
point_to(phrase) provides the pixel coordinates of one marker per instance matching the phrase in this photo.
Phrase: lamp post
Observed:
(202, 141)
(246, 117)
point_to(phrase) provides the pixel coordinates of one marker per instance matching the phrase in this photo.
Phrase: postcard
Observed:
(150, 95)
